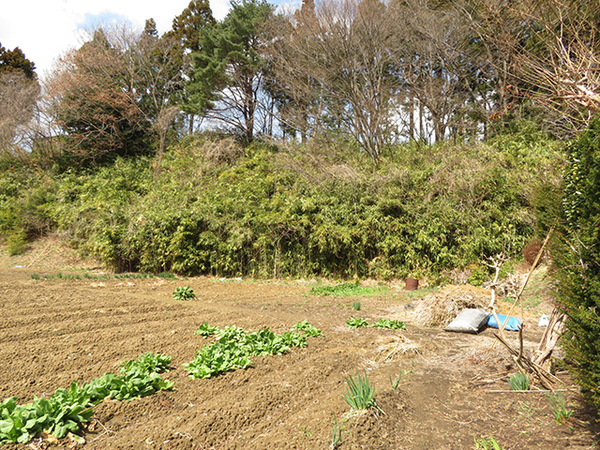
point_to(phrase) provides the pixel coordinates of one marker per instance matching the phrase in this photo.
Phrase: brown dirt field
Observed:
(54, 331)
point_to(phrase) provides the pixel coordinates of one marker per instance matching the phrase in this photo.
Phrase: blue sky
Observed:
(46, 29)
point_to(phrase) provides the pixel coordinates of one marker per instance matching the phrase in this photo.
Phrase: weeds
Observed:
(356, 306)
(347, 290)
(488, 443)
(559, 408)
(104, 276)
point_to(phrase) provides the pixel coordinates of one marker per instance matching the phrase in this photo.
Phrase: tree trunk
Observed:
(411, 116)
(421, 132)
(191, 126)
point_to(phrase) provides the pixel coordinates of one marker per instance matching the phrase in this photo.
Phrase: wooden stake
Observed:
(535, 263)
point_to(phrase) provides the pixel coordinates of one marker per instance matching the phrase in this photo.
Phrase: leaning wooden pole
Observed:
(535, 263)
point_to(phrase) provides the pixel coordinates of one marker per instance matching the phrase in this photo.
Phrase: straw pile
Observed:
(442, 307)
(391, 348)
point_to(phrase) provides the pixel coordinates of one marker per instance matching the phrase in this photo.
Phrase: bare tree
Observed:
(18, 97)
(439, 80)
(556, 48)
(109, 95)
(155, 65)
(336, 64)
(94, 103)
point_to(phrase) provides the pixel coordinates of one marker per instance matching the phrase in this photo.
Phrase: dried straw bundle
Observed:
(442, 307)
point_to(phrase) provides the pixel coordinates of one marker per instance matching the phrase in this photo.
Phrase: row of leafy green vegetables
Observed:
(65, 410)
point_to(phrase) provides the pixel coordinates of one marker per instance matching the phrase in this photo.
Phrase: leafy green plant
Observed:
(354, 322)
(336, 438)
(184, 293)
(66, 409)
(356, 306)
(576, 256)
(205, 330)
(488, 443)
(360, 392)
(148, 363)
(519, 382)
(309, 330)
(387, 323)
(233, 348)
(559, 408)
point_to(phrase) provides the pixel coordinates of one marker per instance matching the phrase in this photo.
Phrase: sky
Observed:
(46, 29)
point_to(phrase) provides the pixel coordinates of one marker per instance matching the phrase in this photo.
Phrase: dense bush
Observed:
(263, 211)
(578, 258)
(25, 197)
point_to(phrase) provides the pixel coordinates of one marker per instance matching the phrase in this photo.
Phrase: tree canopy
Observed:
(15, 61)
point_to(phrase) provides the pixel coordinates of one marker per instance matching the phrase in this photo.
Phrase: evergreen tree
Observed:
(578, 259)
(15, 61)
(229, 68)
(188, 26)
(187, 29)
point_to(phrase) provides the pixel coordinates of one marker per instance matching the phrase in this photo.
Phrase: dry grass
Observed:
(390, 349)
(442, 307)
(224, 151)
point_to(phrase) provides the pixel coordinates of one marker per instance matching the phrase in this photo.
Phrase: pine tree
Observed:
(229, 67)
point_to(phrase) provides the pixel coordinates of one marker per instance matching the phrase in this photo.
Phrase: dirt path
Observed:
(54, 331)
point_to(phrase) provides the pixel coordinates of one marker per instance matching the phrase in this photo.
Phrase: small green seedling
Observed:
(337, 434)
(393, 383)
(184, 293)
(356, 306)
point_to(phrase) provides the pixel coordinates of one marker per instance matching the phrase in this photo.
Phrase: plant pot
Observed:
(412, 284)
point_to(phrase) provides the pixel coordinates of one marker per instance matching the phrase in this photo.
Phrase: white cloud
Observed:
(46, 29)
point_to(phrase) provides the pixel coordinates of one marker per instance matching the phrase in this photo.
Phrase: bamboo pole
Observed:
(535, 263)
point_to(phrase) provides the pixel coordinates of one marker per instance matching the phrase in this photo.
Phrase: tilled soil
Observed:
(54, 331)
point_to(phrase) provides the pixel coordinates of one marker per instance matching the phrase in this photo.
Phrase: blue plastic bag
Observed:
(513, 323)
